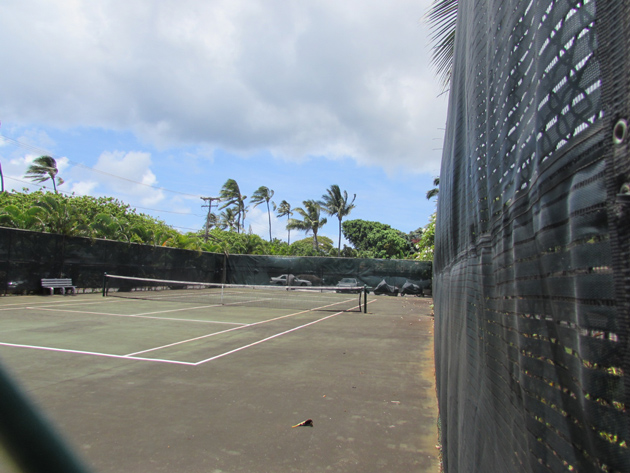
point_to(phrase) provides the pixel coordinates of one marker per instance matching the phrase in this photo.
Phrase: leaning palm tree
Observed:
(231, 195)
(285, 210)
(436, 190)
(336, 203)
(263, 194)
(42, 169)
(311, 220)
(442, 18)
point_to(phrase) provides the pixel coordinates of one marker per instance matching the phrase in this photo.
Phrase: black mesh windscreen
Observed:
(27, 257)
(531, 274)
(324, 271)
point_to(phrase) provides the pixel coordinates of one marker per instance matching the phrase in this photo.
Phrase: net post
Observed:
(104, 284)
(365, 299)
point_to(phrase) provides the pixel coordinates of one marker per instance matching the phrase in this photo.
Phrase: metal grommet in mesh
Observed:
(620, 131)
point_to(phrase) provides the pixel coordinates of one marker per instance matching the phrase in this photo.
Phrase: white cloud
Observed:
(138, 180)
(297, 78)
(83, 187)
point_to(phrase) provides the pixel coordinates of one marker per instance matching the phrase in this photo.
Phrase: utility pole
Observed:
(209, 200)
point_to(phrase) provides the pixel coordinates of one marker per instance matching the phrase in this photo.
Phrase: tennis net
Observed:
(324, 298)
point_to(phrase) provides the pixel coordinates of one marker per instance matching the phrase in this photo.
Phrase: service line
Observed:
(142, 315)
(266, 339)
(93, 353)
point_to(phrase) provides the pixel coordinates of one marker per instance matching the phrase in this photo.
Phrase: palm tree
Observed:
(108, 227)
(443, 19)
(30, 219)
(336, 203)
(435, 191)
(231, 195)
(227, 219)
(42, 169)
(212, 221)
(60, 217)
(284, 210)
(311, 221)
(263, 194)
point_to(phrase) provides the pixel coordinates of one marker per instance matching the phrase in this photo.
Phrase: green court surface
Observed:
(146, 386)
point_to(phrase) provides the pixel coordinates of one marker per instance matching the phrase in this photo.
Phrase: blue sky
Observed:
(159, 103)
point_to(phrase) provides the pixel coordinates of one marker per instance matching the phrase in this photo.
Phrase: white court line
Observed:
(217, 333)
(141, 316)
(189, 340)
(30, 305)
(265, 339)
(133, 356)
(93, 353)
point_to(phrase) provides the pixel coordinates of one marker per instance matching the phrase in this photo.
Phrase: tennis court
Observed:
(161, 386)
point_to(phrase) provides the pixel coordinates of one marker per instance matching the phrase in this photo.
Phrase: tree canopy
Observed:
(111, 219)
(377, 240)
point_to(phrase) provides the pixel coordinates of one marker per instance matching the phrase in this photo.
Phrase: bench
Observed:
(59, 283)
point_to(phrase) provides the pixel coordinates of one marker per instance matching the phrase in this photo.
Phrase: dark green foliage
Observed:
(110, 219)
(304, 247)
(424, 245)
(94, 217)
(377, 240)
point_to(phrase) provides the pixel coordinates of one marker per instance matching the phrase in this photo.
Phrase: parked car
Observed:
(18, 287)
(348, 283)
(289, 279)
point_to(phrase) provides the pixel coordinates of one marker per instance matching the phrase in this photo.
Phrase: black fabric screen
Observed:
(27, 257)
(532, 257)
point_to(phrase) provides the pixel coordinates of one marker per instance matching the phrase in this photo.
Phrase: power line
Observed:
(131, 205)
(46, 152)
(41, 151)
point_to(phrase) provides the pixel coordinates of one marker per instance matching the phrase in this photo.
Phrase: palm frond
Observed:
(442, 18)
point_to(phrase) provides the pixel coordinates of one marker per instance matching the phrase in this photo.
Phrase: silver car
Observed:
(283, 279)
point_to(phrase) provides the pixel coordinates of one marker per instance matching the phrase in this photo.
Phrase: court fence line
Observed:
(532, 246)
(26, 257)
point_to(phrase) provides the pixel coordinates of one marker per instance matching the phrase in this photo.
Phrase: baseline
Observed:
(134, 356)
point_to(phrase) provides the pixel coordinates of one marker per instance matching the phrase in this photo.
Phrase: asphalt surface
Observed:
(366, 381)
